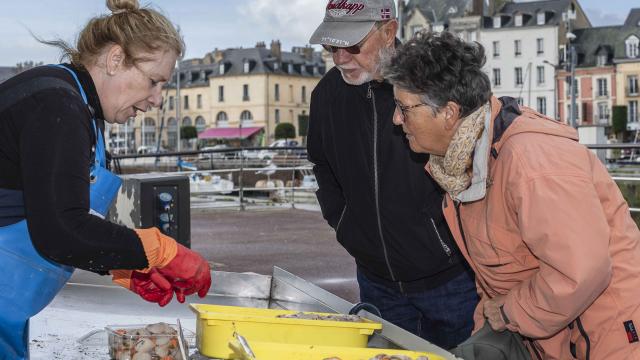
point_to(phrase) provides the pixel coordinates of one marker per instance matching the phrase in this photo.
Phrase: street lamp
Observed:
(568, 16)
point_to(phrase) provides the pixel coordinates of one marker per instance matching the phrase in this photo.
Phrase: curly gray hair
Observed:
(440, 67)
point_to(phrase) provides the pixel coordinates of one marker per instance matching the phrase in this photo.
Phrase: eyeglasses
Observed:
(353, 50)
(404, 108)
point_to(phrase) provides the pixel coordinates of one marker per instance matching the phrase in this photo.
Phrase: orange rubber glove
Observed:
(186, 270)
(151, 286)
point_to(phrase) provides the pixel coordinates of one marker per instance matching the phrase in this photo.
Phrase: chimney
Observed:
(261, 45)
(307, 52)
(276, 49)
(218, 55)
(478, 8)
(208, 59)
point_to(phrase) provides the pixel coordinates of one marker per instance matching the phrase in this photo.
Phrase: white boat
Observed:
(205, 182)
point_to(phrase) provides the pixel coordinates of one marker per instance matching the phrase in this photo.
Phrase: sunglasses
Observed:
(353, 50)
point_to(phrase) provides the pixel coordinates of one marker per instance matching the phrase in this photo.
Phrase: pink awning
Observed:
(229, 133)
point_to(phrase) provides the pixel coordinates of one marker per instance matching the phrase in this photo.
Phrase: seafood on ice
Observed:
(151, 342)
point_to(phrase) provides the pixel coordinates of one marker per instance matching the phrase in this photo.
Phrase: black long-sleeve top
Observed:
(46, 144)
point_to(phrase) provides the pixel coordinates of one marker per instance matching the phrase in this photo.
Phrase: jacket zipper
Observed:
(445, 247)
(457, 204)
(371, 96)
(344, 210)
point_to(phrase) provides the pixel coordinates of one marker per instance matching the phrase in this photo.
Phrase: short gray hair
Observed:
(440, 67)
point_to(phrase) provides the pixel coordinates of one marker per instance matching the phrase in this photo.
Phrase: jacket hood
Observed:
(529, 121)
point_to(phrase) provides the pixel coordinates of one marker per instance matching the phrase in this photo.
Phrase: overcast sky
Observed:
(205, 24)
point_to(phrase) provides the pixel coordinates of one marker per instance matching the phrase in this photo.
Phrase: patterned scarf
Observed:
(451, 171)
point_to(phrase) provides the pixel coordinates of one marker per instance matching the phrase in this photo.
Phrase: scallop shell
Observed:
(144, 345)
(142, 356)
(159, 328)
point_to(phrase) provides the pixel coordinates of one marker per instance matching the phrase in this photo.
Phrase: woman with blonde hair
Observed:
(55, 187)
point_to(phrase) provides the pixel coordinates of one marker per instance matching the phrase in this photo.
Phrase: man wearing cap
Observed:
(373, 190)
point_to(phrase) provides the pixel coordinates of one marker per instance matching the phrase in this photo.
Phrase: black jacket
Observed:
(374, 191)
(46, 144)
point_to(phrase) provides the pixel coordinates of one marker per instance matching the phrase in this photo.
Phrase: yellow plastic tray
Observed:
(277, 351)
(216, 324)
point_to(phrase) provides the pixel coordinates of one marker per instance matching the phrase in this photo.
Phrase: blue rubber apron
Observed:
(29, 281)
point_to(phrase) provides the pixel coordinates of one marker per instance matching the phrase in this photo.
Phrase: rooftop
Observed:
(301, 61)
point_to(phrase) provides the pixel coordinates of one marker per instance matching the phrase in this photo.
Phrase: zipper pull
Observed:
(369, 92)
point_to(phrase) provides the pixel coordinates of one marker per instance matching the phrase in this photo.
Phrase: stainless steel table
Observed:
(90, 302)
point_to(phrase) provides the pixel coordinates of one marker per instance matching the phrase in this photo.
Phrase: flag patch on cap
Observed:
(385, 14)
(632, 334)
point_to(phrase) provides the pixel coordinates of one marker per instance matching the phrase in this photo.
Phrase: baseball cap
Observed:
(347, 22)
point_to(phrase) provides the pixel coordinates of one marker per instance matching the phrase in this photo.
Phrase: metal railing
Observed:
(228, 166)
(219, 177)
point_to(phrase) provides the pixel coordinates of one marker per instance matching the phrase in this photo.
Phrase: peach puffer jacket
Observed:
(554, 234)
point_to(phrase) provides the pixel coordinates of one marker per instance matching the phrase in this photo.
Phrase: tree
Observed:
(303, 125)
(619, 120)
(285, 131)
(188, 132)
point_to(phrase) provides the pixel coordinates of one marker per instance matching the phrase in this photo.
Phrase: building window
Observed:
(246, 118)
(149, 133)
(222, 120)
(496, 22)
(632, 82)
(633, 111)
(517, 47)
(518, 21)
(542, 105)
(246, 66)
(199, 101)
(541, 19)
(496, 48)
(245, 92)
(540, 72)
(603, 113)
(602, 87)
(220, 93)
(631, 44)
(601, 60)
(415, 29)
(540, 46)
(221, 68)
(186, 121)
(172, 133)
(186, 102)
(290, 93)
(201, 124)
(276, 92)
(303, 93)
(473, 36)
(519, 76)
(576, 112)
(277, 116)
(568, 86)
(172, 101)
(496, 77)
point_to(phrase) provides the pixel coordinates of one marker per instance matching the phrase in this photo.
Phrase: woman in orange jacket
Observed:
(55, 186)
(545, 228)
